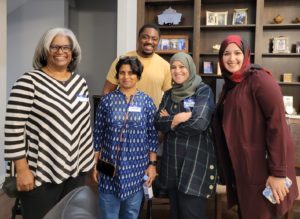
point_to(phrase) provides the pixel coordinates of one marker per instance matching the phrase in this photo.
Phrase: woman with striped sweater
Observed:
(48, 138)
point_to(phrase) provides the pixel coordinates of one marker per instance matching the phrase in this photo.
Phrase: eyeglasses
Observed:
(64, 48)
(133, 58)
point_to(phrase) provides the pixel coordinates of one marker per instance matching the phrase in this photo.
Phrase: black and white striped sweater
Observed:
(48, 122)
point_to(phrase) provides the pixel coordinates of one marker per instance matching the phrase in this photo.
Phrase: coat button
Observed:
(212, 177)
(211, 187)
(211, 167)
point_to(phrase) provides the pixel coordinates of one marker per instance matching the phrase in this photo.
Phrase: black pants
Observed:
(36, 203)
(187, 206)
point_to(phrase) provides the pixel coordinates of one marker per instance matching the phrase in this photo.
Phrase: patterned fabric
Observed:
(48, 122)
(140, 138)
(156, 76)
(188, 161)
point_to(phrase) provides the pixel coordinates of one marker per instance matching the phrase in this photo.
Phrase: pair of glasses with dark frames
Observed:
(63, 48)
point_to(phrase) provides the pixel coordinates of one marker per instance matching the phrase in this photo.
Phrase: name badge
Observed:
(82, 98)
(189, 103)
(134, 109)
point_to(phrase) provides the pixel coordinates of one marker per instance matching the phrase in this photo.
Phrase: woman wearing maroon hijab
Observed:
(254, 146)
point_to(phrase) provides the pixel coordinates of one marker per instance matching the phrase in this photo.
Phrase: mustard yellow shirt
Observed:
(156, 77)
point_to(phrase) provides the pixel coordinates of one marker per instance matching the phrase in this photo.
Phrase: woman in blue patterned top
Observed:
(124, 134)
(188, 162)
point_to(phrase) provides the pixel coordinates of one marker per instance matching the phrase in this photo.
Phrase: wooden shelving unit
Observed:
(258, 33)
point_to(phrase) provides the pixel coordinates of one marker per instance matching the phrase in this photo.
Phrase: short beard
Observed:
(146, 53)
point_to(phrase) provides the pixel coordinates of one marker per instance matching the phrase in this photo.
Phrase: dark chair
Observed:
(16, 209)
(81, 203)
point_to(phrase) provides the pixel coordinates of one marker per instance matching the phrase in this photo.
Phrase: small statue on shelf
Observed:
(278, 19)
(297, 19)
(216, 47)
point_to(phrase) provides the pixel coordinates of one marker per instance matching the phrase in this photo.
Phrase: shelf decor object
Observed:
(281, 45)
(169, 17)
(239, 16)
(278, 19)
(216, 48)
(207, 67)
(170, 44)
(216, 18)
(298, 47)
(287, 77)
(288, 104)
(297, 19)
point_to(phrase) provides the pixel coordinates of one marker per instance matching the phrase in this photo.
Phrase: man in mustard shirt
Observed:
(156, 77)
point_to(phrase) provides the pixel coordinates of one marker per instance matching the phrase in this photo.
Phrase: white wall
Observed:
(95, 24)
(2, 82)
(127, 14)
(25, 25)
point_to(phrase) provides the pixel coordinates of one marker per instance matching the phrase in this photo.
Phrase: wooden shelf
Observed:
(280, 26)
(227, 27)
(258, 33)
(210, 76)
(281, 55)
(168, 2)
(178, 27)
(289, 83)
(216, 54)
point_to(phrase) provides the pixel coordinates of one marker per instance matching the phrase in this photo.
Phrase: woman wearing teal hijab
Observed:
(188, 168)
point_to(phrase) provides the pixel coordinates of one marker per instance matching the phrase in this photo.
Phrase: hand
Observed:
(163, 113)
(95, 175)
(181, 117)
(151, 173)
(184, 116)
(278, 187)
(25, 180)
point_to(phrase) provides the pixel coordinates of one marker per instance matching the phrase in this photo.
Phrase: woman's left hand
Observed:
(151, 173)
(278, 187)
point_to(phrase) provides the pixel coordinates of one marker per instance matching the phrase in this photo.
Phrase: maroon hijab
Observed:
(239, 75)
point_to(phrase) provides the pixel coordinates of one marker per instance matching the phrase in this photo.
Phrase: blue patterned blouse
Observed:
(139, 138)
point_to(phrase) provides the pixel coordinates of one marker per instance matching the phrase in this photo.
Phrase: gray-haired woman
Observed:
(48, 139)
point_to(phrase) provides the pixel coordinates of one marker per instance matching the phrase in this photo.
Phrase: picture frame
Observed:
(211, 18)
(288, 104)
(207, 67)
(297, 47)
(240, 16)
(216, 18)
(170, 44)
(281, 44)
(221, 17)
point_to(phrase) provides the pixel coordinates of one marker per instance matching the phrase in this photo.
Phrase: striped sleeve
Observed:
(17, 113)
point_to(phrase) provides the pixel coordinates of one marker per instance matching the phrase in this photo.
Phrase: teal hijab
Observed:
(181, 91)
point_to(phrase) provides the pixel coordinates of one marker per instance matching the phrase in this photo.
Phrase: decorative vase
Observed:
(278, 19)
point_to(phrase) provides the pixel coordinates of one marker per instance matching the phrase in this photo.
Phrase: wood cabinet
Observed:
(258, 33)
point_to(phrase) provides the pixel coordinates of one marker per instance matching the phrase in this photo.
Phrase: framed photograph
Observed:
(169, 44)
(211, 18)
(207, 67)
(298, 47)
(216, 18)
(240, 16)
(280, 45)
(288, 104)
(221, 17)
